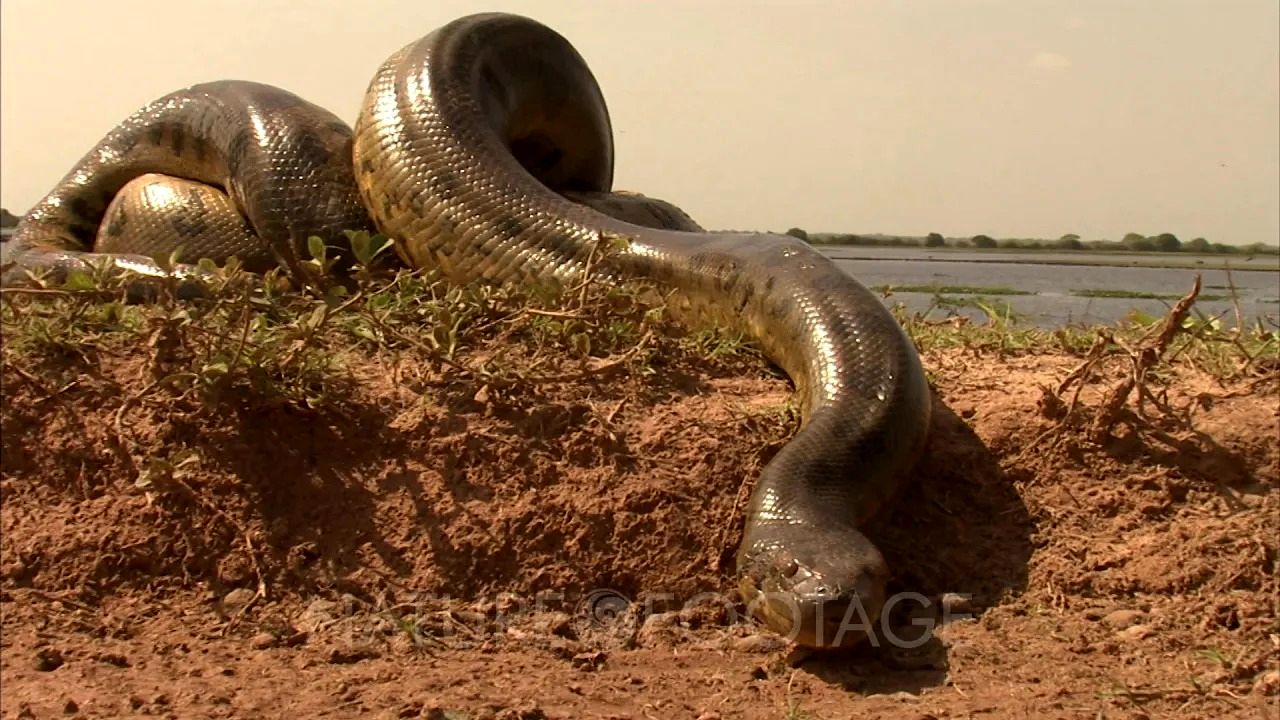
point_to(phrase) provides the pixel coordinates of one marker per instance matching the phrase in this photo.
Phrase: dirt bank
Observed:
(371, 534)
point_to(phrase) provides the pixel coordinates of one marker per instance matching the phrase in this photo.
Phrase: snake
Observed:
(485, 149)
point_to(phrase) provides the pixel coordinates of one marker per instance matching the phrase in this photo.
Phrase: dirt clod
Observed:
(47, 660)
(758, 643)
(1120, 619)
(589, 660)
(262, 641)
(237, 600)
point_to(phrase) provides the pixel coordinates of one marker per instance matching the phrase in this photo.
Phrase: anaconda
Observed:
(485, 148)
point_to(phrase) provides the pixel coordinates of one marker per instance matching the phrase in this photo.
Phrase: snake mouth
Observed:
(819, 595)
(815, 618)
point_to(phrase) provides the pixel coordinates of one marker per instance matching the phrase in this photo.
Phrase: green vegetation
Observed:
(992, 308)
(1202, 341)
(249, 339)
(252, 339)
(1101, 293)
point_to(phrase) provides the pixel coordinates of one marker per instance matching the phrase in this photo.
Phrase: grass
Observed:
(1204, 341)
(254, 339)
(952, 297)
(250, 340)
(992, 307)
(1138, 295)
(257, 342)
(1123, 372)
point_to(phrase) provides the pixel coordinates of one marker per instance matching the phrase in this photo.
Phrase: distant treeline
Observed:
(1133, 242)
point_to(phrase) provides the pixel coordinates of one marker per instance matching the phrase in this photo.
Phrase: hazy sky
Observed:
(1015, 118)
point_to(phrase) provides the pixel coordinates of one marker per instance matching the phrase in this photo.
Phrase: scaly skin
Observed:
(282, 161)
(485, 149)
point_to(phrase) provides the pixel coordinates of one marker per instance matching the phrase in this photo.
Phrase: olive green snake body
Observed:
(485, 149)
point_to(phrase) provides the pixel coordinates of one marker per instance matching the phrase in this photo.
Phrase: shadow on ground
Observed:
(959, 528)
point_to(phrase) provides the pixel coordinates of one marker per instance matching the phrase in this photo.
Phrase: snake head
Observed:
(822, 592)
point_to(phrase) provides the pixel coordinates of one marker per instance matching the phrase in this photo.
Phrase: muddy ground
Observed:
(428, 551)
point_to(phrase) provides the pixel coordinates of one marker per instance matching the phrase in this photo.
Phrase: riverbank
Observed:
(1057, 289)
(1229, 262)
(397, 504)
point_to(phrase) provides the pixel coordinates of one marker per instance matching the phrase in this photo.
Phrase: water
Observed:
(1052, 277)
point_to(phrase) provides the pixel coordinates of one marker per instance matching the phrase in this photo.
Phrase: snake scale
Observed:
(485, 148)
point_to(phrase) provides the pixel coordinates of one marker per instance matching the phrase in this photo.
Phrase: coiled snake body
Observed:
(485, 148)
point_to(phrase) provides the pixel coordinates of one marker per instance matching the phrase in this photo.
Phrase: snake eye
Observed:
(790, 568)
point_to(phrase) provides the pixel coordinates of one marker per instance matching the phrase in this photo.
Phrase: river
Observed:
(1052, 282)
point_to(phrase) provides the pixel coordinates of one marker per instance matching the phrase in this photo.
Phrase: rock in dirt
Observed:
(351, 654)
(758, 643)
(110, 658)
(48, 660)
(439, 713)
(957, 604)
(237, 600)
(1268, 683)
(524, 712)
(1134, 633)
(262, 641)
(554, 623)
(472, 619)
(1120, 619)
(658, 629)
(319, 614)
(564, 648)
(589, 660)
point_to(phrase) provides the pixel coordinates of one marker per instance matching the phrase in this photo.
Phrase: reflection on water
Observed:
(1253, 282)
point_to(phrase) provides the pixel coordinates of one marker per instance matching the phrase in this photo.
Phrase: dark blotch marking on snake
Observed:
(119, 222)
(663, 215)
(748, 292)
(237, 149)
(199, 147)
(444, 183)
(155, 134)
(510, 226)
(177, 139)
(309, 152)
(189, 225)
